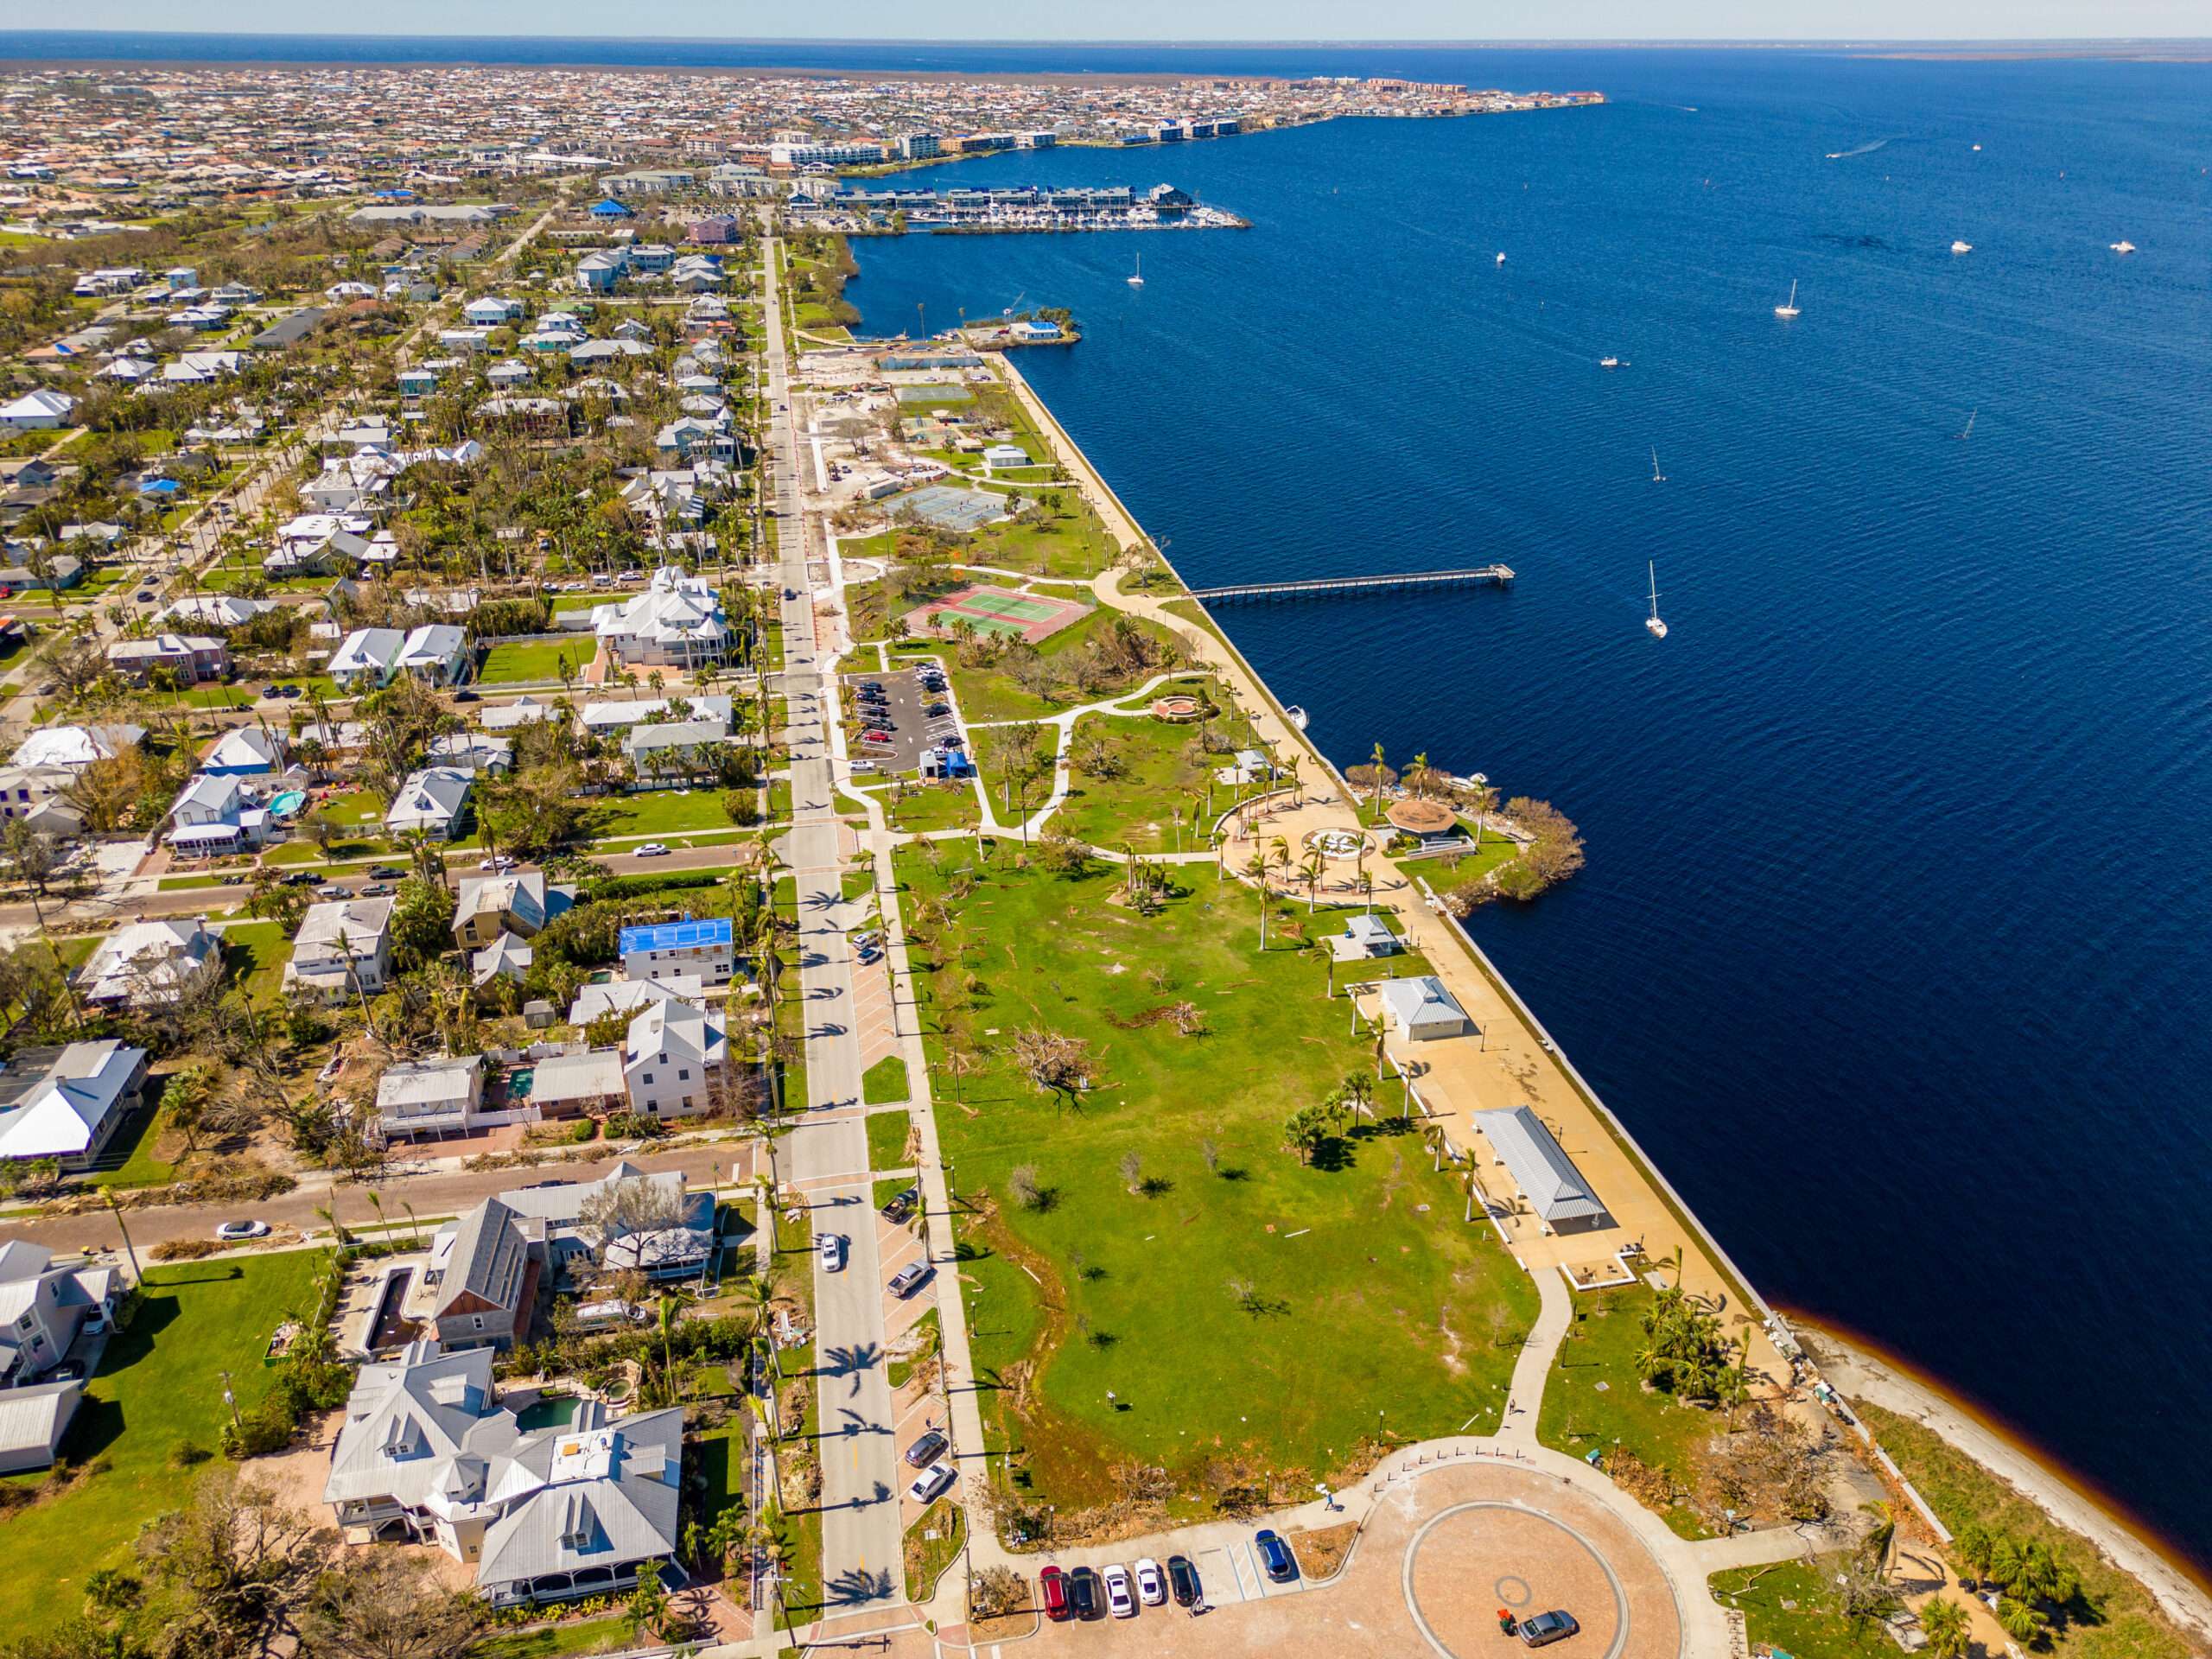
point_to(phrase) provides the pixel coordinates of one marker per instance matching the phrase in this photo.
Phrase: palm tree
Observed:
(2024, 1622)
(1258, 871)
(1416, 777)
(1310, 872)
(1378, 781)
(1945, 1621)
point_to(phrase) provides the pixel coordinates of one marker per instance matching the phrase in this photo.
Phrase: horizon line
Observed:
(1177, 43)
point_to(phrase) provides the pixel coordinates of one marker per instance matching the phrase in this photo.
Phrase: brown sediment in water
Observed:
(2116, 1511)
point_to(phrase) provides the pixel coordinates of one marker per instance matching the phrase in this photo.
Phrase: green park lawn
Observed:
(921, 806)
(887, 1131)
(1058, 535)
(1157, 775)
(160, 1386)
(1810, 1626)
(536, 661)
(576, 1635)
(1261, 1307)
(1580, 1417)
(986, 692)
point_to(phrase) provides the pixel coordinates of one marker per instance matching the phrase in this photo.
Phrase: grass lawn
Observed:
(187, 883)
(887, 1131)
(357, 807)
(1157, 774)
(658, 810)
(1810, 1627)
(932, 1545)
(141, 1167)
(254, 954)
(1459, 870)
(1580, 1417)
(985, 692)
(161, 1384)
(609, 1635)
(918, 807)
(801, 1533)
(1349, 1284)
(539, 660)
(886, 1082)
(1058, 535)
(2129, 1624)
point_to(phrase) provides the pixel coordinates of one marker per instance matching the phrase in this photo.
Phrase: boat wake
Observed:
(1863, 149)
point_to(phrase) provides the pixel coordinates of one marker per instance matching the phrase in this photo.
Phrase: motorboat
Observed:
(1958, 246)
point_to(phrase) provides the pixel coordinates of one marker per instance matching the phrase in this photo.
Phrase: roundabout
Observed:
(1528, 1544)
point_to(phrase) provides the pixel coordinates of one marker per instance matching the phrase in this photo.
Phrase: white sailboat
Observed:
(1501, 258)
(1656, 628)
(1137, 277)
(1657, 477)
(1960, 245)
(1788, 307)
(1969, 430)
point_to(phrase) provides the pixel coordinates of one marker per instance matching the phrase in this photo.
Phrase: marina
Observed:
(967, 209)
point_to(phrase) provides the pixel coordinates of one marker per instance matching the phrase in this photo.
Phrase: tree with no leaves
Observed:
(638, 1205)
(1132, 1172)
(1053, 1063)
(381, 1604)
(996, 1590)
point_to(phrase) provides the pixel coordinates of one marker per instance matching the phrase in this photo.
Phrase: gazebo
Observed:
(1417, 816)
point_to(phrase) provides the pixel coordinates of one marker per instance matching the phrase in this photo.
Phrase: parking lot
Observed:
(911, 731)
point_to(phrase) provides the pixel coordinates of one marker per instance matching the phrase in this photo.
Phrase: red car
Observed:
(875, 737)
(1053, 1585)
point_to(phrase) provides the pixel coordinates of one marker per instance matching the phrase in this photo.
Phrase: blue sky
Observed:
(1163, 20)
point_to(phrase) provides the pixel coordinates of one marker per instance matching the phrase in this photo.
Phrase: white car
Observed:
(862, 765)
(651, 849)
(831, 1248)
(930, 1483)
(1152, 1586)
(498, 862)
(1118, 1601)
(230, 1231)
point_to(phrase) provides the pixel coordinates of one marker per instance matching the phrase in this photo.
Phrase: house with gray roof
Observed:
(428, 1453)
(486, 1270)
(1420, 1010)
(42, 1307)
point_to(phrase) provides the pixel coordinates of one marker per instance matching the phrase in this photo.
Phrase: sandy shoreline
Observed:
(1864, 1375)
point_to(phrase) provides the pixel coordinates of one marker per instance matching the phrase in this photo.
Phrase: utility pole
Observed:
(116, 1210)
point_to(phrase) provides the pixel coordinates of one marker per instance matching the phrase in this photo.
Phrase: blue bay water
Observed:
(1895, 947)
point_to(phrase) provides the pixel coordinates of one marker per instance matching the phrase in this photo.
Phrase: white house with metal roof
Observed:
(1556, 1192)
(1420, 1010)
(427, 1453)
(146, 965)
(67, 1103)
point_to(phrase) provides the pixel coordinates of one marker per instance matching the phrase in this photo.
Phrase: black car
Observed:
(1544, 1628)
(145, 596)
(936, 710)
(386, 872)
(924, 1452)
(272, 690)
(902, 1204)
(1183, 1581)
(303, 878)
(467, 695)
(1084, 1596)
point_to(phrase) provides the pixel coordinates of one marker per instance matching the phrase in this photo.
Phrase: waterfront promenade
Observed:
(1514, 1063)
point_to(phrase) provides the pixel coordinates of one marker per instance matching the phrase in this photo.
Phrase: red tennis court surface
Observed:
(1031, 617)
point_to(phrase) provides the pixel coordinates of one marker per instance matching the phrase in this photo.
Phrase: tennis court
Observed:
(997, 610)
(962, 511)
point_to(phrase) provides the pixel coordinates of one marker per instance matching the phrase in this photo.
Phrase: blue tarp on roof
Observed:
(676, 936)
(609, 208)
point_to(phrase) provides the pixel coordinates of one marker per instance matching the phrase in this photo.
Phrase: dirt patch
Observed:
(1323, 1551)
(1005, 1627)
